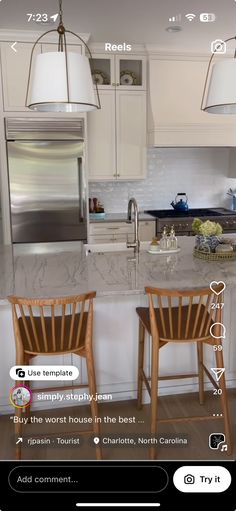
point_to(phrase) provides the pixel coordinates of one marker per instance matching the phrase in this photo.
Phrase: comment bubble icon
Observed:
(218, 331)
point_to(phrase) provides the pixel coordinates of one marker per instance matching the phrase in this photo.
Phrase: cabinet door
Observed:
(111, 232)
(15, 72)
(111, 228)
(102, 139)
(147, 230)
(103, 70)
(131, 134)
(131, 72)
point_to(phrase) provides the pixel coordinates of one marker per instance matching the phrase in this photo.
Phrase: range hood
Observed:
(175, 118)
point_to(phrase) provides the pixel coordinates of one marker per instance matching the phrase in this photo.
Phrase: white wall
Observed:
(200, 172)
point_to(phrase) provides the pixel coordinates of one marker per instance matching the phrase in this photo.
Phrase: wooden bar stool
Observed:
(181, 317)
(54, 327)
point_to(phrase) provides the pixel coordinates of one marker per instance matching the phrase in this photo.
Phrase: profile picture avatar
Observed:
(20, 396)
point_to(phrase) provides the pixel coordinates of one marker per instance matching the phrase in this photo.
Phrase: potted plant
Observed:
(207, 235)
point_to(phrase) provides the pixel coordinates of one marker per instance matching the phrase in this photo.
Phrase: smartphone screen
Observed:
(118, 253)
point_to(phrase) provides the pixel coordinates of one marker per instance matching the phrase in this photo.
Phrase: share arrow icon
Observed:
(218, 371)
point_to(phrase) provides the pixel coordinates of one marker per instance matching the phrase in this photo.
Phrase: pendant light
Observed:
(219, 93)
(61, 81)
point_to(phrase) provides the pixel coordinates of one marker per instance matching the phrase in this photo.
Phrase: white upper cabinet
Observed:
(175, 117)
(15, 71)
(102, 138)
(117, 137)
(131, 134)
(117, 133)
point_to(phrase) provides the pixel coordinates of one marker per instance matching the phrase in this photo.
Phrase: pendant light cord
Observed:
(60, 11)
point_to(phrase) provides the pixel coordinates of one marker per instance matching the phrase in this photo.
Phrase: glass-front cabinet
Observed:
(125, 71)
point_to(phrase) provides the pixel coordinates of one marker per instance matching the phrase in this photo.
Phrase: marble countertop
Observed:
(57, 270)
(120, 217)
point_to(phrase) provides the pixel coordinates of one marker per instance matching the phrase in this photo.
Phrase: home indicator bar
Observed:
(120, 504)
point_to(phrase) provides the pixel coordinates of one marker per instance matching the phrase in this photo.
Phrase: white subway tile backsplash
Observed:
(199, 172)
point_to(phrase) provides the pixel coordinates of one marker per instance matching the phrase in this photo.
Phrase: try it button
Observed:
(202, 479)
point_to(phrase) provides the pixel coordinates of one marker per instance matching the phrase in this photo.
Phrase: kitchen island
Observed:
(49, 270)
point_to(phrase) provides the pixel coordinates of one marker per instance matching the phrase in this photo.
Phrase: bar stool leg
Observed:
(27, 383)
(224, 399)
(18, 411)
(140, 363)
(200, 372)
(18, 433)
(154, 393)
(94, 405)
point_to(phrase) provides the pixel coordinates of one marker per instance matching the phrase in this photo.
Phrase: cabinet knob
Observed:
(117, 84)
(118, 175)
(113, 84)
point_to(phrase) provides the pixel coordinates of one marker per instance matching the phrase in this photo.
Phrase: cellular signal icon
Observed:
(177, 18)
(190, 16)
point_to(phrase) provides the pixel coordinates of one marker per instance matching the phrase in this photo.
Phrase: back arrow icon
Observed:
(13, 46)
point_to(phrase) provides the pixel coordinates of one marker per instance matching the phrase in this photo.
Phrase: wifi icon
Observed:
(190, 16)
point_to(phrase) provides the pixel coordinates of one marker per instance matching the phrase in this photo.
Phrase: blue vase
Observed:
(206, 243)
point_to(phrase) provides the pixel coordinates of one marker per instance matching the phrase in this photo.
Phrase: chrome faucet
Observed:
(136, 243)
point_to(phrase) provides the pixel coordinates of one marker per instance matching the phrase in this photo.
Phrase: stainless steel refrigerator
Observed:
(48, 196)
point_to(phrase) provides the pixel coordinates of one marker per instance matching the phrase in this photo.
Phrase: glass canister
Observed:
(173, 243)
(164, 241)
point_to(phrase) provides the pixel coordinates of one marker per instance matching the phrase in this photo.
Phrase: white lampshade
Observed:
(221, 97)
(49, 86)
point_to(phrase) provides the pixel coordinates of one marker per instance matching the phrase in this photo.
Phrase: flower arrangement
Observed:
(206, 228)
(207, 235)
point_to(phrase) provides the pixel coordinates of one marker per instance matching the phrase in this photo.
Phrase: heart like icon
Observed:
(214, 285)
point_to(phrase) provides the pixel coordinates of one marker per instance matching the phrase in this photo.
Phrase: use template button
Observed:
(202, 479)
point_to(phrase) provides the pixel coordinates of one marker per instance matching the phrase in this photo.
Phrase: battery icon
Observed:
(207, 17)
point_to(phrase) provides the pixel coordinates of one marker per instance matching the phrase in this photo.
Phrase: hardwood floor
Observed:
(196, 432)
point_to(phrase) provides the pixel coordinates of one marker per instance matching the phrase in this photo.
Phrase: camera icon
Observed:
(218, 46)
(20, 373)
(189, 479)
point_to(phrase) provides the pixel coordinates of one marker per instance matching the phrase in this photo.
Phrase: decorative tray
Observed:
(164, 252)
(211, 256)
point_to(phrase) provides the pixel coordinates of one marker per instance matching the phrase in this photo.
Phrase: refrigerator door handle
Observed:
(81, 188)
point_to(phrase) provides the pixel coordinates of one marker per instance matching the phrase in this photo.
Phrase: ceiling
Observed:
(130, 21)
